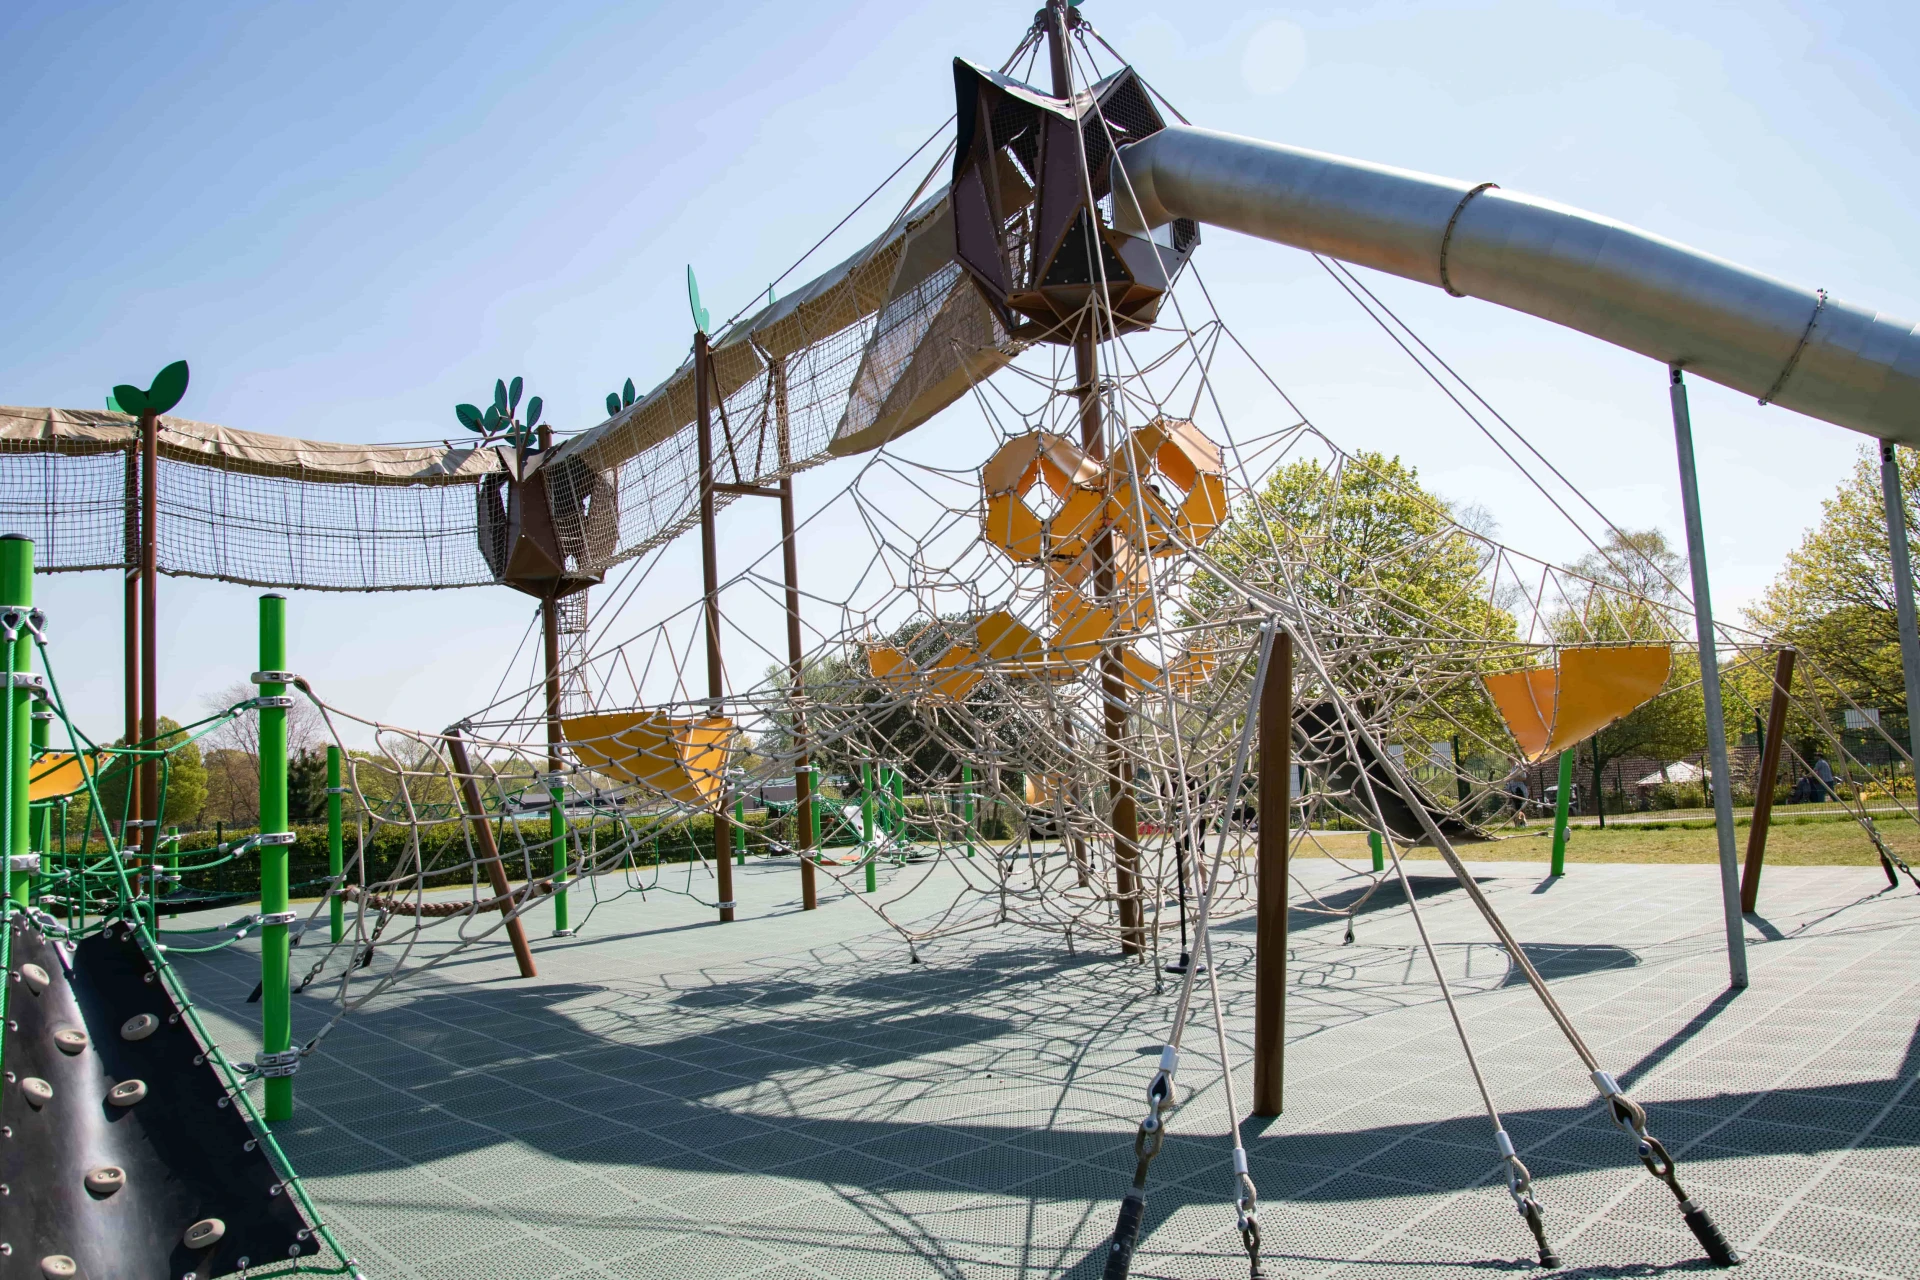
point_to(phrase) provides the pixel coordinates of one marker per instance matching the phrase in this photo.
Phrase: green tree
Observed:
(233, 787)
(307, 787)
(1833, 599)
(1377, 555)
(1630, 594)
(183, 778)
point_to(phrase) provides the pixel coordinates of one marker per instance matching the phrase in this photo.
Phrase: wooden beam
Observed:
(1270, 928)
(490, 853)
(1763, 789)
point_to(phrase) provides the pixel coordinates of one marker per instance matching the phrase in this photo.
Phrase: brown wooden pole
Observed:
(710, 571)
(796, 654)
(1763, 789)
(149, 630)
(1113, 682)
(796, 665)
(130, 678)
(550, 635)
(1275, 853)
(490, 853)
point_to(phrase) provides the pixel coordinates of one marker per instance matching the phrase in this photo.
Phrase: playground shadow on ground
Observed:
(656, 1099)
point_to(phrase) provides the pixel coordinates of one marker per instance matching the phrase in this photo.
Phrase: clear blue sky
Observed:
(350, 216)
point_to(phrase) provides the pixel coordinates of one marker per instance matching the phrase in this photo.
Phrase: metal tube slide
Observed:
(1784, 344)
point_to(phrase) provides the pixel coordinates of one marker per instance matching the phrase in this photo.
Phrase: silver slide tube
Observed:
(1781, 343)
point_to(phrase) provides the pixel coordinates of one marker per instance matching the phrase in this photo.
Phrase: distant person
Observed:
(1824, 772)
(1517, 794)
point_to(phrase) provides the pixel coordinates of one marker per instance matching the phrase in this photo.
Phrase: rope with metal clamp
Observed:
(1247, 1213)
(1630, 1117)
(1151, 1136)
(1520, 1187)
(15, 618)
(278, 917)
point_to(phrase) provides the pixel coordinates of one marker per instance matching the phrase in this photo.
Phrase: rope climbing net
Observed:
(1027, 692)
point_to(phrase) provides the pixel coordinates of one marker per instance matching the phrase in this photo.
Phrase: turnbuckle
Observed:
(1631, 1117)
(1520, 1187)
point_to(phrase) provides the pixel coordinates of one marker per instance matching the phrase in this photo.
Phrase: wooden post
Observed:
(710, 572)
(1763, 789)
(1113, 683)
(556, 791)
(806, 816)
(1275, 851)
(489, 851)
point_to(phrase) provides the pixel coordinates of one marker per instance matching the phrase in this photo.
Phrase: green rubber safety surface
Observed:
(790, 1096)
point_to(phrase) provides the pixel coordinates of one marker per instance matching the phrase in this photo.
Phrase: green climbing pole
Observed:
(866, 825)
(16, 596)
(42, 842)
(813, 810)
(276, 1003)
(899, 792)
(1560, 814)
(1379, 848)
(557, 837)
(966, 804)
(740, 831)
(336, 849)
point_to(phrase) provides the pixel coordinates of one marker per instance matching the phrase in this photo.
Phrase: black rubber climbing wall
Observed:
(186, 1151)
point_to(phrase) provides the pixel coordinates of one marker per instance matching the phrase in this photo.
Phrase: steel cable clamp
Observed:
(271, 1066)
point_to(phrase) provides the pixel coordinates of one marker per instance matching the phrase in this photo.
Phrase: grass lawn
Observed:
(1792, 842)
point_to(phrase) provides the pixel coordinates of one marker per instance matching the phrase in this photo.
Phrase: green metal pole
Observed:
(16, 592)
(43, 820)
(336, 848)
(557, 833)
(1560, 814)
(813, 808)
(966, 803)
(1379, 848)
(899, 805)
(740, 831)
(276, 1004)
(866, 825)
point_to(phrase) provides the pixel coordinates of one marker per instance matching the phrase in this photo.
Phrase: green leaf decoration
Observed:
(469, 416)
(131, 399)
(500, 398)
(168, 386)
(113, 406)
(613, 403)
(513, 394)
(626, 394)
(492, 419)
(700, 320)
(533, 413)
